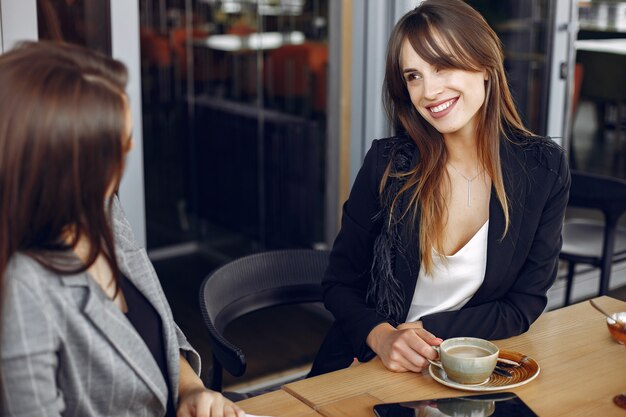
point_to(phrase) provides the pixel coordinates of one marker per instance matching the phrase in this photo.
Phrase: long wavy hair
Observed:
(446, 34)
(62, 148)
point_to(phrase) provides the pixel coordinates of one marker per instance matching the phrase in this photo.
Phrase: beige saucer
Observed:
(523, 374)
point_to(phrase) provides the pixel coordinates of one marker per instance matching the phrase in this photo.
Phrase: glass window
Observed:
(234, 96)
(524, 29)
(83, 22)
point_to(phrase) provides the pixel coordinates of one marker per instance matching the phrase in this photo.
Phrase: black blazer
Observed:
(520, 268)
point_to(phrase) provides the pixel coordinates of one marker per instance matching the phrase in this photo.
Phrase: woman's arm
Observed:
(347, 277)
(28, 349)
(194, 400)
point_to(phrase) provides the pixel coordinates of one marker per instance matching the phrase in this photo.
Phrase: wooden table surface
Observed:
(582, 369)
(278, 403)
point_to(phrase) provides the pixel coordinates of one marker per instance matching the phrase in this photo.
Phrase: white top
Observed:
(454, 280)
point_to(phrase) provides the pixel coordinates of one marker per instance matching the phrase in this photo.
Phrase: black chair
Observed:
(252, 283)
(593, 242)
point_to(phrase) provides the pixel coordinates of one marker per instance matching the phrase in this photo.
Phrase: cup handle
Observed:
(437, 363)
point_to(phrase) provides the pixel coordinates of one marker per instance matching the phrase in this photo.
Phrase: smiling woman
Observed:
(435, 92)
(453, 226)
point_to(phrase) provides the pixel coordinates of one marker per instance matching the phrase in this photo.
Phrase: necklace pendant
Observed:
(469, 183)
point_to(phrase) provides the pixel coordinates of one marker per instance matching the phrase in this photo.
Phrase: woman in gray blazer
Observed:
(86, 328)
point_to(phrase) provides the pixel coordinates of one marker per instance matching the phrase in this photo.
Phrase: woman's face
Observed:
(449, 99)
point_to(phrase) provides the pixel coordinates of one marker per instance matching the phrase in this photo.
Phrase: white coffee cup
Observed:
(467, 360)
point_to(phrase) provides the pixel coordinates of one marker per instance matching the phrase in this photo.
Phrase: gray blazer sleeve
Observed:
(28, 351)
(188, 351)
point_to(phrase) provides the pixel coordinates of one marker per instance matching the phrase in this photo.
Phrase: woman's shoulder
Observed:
(25, 271)
(33, 292)
(22, 266)
(399, 148)
(539, 153)
(34, 310)
(387, 146)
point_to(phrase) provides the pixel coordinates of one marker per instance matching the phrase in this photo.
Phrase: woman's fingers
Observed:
(420, 342)
(402, 349)
(428, 337)
(399, 360)
(210, 404)
(428, 340)
(409, 351)
(207, 403)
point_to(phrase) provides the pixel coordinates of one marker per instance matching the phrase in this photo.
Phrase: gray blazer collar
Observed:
(134, 264)
(114, 325)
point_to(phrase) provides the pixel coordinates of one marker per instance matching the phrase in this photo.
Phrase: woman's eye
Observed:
(412, 76)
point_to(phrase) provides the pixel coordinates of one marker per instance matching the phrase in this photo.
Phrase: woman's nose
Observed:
(432, 86)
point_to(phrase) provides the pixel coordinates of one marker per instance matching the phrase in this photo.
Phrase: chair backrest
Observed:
(252, 283)
(598, 192)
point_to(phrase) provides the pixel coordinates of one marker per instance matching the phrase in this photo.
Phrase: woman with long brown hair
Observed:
(453, 226)
(86, 328)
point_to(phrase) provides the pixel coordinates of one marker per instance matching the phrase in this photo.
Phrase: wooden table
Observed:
(278, 403)
(582, 368)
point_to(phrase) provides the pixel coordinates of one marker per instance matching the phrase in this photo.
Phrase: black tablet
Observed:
(504, 404)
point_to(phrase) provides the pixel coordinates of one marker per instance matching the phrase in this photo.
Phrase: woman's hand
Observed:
(206, 403)
(406, 348)
(194, 400)
(410, 325)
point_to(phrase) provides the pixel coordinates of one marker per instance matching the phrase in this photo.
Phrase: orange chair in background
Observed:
(298, 72)
(155, 48)
(178, 43)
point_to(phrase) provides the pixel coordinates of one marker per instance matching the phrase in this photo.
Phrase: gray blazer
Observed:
(67, 350)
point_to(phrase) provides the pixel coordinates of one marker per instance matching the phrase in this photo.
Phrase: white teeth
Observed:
(441, 107)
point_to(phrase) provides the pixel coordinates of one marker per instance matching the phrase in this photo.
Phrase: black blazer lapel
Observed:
(500, 250)
(407, 258)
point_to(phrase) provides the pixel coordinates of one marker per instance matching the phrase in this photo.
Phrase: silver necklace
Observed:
(469, 183)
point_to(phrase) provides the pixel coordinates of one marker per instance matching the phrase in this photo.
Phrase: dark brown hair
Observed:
(62, 146)
(446, 34)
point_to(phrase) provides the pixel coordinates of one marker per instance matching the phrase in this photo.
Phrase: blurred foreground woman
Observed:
(86, 328)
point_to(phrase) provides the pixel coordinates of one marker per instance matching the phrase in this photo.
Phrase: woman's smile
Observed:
(441, 109)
